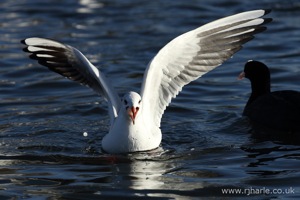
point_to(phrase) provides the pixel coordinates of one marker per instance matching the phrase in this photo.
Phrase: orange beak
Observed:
(132, 112)
(241, 76)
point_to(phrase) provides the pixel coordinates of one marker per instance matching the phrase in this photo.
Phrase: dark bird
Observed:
(279, 110)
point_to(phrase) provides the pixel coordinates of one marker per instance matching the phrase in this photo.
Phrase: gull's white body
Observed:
(124, 136)
(135, 119)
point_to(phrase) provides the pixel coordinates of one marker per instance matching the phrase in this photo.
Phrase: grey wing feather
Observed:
(72, 64)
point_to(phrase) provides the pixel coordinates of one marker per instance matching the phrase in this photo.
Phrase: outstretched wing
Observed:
(72, 64)
(193, 54)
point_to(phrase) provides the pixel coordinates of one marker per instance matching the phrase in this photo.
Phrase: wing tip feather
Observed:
(267, 20)
(23, 41)
(267, 11)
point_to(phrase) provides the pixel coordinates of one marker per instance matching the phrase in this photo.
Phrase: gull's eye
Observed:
(140, 101)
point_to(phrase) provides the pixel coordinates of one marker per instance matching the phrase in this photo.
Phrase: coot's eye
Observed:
(125, 101)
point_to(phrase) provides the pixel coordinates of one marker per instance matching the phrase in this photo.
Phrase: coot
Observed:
(279, 110)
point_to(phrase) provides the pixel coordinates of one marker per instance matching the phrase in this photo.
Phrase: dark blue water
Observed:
(207, 145)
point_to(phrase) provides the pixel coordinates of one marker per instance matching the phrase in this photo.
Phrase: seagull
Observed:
(135, 119)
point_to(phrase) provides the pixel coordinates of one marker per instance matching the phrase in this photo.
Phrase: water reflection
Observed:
(161, 173)
(88, 6)
(155, 174)
(260, 133)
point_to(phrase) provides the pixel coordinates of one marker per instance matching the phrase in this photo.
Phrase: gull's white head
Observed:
(132, 102)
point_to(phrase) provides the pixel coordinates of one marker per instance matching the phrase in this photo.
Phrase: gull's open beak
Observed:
(132, 112)
(241, 76)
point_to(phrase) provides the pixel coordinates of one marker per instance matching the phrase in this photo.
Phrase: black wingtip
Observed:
(26, 50)
(23, 41)
(33, 57)
(267, 11)
(267, 20)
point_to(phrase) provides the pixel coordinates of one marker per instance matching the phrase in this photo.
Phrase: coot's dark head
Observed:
(257, 71)
(259, 75)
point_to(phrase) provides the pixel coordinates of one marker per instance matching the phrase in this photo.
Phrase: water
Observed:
(207, 146)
